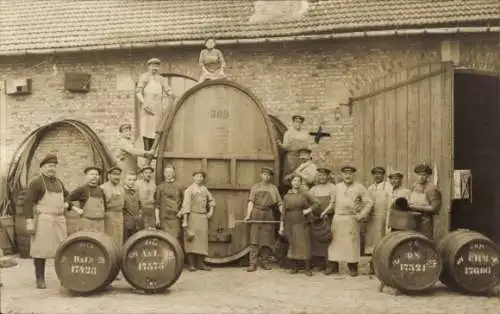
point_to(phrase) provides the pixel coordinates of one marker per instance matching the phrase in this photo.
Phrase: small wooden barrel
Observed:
(152, 260)
(87, 262)
(404, 220)
(407, 261)
(471, 262)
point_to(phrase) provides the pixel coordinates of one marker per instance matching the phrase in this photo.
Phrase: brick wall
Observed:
(288, 78)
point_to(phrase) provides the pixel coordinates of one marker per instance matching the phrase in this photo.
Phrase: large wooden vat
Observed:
(471, 262)
(220, 127)
(152, 260)
(407, 261)
(87, 262)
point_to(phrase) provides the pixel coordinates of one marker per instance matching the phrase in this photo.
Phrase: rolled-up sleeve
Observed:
(434, 198)
(141, 83)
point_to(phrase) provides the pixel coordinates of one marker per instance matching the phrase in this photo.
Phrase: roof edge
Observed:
(187, 43)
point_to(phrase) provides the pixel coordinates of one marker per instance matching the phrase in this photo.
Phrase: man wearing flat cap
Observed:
(126, 154)
(146, 189)
(352, 205)
(324, 192)
(425, 198)
(306, 169)
(398, 192)
(152, 91)
(168, 202)
(89, 201)
(44, 208)
(264, 198)
(115, 203)
(294, 139)
(375, 227)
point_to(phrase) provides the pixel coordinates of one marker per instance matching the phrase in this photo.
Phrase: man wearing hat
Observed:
(324, 192)
(44, 208)
(425, 198)
(132, 215)
(352, 205)
(398, 192)
(127, 153)
(115, 203)
(146, 189)
(294, 139)
(151, 91)
(168, 202)
(375, 226)
(264, 198)
(89, 201)
(307, 169)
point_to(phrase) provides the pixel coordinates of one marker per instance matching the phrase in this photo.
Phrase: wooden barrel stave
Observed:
(144, 262)
(476, 275)
(87, 262)
(418, 260)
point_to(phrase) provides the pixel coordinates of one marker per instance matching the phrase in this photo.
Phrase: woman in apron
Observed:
(212, 62)
(294, 139)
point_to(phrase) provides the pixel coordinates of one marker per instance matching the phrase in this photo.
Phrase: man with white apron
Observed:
(375, 226)
(306, 170)
(151, 91)
(44, 209)
(426, 199)
(352, 205)
(90, 202)
(324, 192)
(198, 204)
(126, 153)
(168, 202)
(146, 189)
(115, 202)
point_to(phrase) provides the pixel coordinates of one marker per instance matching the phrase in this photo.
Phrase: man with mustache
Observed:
(133, 221)
(151, 91)
(168, 202)
(115, 202)
(306, 170)
(44, 209)
(127, 153)
(146, 189)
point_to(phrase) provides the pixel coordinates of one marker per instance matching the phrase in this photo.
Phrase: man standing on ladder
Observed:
(151, 92)
(126, 154)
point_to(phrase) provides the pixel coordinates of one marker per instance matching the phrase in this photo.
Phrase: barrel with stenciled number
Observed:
(470, 262)
(87, 262)
(152, 260)
(407, 261)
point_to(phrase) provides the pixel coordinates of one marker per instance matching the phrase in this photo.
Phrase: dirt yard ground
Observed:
(232, 290)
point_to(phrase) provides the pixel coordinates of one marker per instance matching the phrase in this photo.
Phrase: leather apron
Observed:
(169, 207)
(93, 215)
(427, 224)
(262, 234)
(50, 225)
(375, 228)
(318, 248)
(113, 219)
(197, 225)
(153, 97)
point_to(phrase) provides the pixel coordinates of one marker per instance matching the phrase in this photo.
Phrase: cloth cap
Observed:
(298, 117)
(323, 170)
(115, 168)
(49, 159)
(145, 168)
(267, 170)
(395, 173)
(348, 168)
(92, 168)
(305, 149)
(423, 168)
(378, 170)
(153, 60)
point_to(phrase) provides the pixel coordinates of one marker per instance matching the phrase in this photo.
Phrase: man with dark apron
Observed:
(126, 153)
(324, 192)
(168, 202)
(264, 197)
(306, 170)
(198, 204)
(115, 203)
(90, 202)
(425, 198)
(294, 139)
(44, 209)
(146, 189)
(133, 220)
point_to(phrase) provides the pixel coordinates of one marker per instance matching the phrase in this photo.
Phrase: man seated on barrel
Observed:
(324, 192)
(306, 170)
(264, 197)
(132, 213)
(44, 208)
(168, 202)
(425, 198)
(146, 189)
(92, 202)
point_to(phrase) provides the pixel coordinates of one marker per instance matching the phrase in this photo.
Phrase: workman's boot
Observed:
(200, 263)
(331, 267)
(40, 273)
(191, 262)
(265, 253)
(353, 269)
(294, 267)
(307, 266)
(252, 258)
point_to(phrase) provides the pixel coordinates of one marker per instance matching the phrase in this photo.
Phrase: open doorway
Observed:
(477, 147)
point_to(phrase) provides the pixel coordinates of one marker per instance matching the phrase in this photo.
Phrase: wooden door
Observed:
(404, 119)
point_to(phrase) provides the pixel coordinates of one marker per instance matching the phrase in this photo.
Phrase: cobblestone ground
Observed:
(231, 290)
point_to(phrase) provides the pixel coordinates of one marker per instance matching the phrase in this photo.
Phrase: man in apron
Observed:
(126, 153)
(425, 198)
(375, 226)
(44, 209)
(133, 220)
(306, 169)
(324, 192)
(264, 197)
(199, 205)
(352, 205)
(294, 139)
(151, 91)
(89, 201)
(115, 203)
(398, 192)
(168, 202)
(146, 189)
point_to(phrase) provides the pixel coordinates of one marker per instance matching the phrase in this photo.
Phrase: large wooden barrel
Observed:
(471, 262)
(279, 132)
(404, 220)
(407, 261)
(87, 262)
(152, 260)
(23, 239)
(221, 127)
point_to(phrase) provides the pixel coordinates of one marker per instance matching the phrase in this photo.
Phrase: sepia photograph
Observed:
(249, 156)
